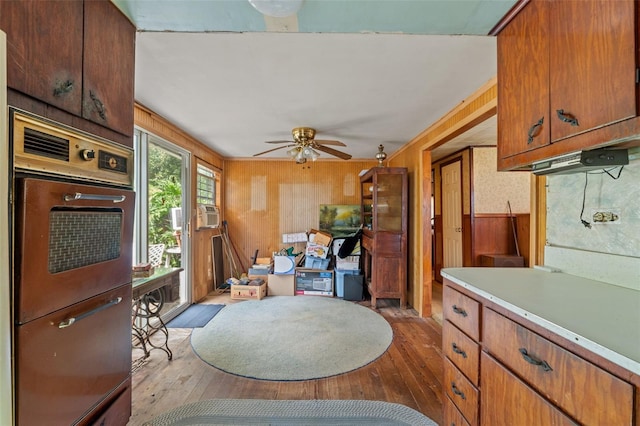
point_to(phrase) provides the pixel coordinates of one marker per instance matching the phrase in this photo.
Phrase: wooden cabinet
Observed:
(108, 65)
(75, 56)
(564, 69)
(461, 348)
(384, 195)
(499, 371)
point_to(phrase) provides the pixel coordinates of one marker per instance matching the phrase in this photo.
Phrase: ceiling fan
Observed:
(304, 146)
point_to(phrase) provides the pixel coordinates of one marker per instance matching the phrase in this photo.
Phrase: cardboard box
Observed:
(281, 285)
(249, 291)
(349, 262)
(314, 281)
(319, 237)
(284, 264)
(317, 250)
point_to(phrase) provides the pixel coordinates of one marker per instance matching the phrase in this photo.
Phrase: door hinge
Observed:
(637, 75)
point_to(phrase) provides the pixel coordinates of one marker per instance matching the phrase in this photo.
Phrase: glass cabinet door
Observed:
(388, 202)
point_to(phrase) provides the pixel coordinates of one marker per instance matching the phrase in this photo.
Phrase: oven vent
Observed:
(45, 145)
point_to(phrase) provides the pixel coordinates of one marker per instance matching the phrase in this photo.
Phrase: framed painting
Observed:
(340, 220)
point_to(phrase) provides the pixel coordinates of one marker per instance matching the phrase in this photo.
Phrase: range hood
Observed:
(583, 161)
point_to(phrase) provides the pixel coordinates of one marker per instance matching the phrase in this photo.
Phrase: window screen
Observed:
(206, 185)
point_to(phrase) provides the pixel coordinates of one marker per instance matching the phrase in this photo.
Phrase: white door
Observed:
(452, 215)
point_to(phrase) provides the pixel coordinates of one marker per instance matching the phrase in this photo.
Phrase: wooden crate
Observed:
(248, 291)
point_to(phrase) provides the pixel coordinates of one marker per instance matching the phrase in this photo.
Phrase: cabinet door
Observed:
(523, 82)
(592, 62)
(109, 49)
(44, 50)
(508, 401)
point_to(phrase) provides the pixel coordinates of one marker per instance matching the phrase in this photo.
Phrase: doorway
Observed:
(452, 250)
(163, 186)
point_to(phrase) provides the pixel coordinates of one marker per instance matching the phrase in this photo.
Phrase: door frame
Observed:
(142, 138)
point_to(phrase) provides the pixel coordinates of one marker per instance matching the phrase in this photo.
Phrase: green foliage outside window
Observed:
(165, 192)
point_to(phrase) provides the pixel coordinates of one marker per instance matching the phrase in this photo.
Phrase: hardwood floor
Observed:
(409, 373)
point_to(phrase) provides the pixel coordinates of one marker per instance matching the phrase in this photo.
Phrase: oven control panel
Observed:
(45, 147)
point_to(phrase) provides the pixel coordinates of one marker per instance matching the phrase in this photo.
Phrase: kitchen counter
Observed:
(601, 317)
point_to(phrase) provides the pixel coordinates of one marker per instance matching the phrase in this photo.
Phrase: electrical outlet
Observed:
(607, 216)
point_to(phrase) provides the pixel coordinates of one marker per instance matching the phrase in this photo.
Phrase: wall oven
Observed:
(73, 207)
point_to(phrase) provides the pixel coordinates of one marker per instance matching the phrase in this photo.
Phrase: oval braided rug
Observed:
(288, 412)
(292, 338)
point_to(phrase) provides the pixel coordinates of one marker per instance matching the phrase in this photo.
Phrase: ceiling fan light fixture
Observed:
(277, 8)
(314, 155)
(293, 152)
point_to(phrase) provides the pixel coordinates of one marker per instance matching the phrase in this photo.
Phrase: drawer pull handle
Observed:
(457, 391)
(567, 118)
(459, 351)
(459, 311)
(534, 130)
(70, 321)
(531, 360)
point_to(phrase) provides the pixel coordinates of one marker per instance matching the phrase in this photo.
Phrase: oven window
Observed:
(79, 238)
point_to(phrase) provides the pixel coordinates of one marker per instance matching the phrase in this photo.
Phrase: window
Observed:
(206, 186)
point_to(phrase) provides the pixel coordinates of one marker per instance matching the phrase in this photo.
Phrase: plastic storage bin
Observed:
(340, 273)
(316, 262)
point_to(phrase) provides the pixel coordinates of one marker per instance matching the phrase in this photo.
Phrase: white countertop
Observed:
(600, 317)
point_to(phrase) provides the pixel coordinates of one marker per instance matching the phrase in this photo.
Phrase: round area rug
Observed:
(292, 338)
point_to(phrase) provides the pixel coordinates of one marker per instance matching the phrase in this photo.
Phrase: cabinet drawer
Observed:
(508, 401)
(461, 391)
(462, 311)
(581, 389)
(452, 417)
(461, 350)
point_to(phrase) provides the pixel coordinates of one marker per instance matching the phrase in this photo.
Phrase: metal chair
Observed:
(156, 251)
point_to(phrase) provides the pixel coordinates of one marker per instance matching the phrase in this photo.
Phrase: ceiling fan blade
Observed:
(333, 152)
(278, 141)
(274, 149)
(328, 142)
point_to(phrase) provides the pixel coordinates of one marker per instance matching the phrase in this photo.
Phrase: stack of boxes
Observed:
(316, 278)
(282, 281)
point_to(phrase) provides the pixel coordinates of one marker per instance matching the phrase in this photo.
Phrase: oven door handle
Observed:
(70, 321)
(96, 197)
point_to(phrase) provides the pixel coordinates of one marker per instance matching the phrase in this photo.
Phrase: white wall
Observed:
(6, 405)
(608, 252)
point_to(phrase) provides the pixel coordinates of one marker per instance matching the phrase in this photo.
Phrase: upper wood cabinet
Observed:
(108, 63)
(44, 50)
(564, 68)
(73, 55)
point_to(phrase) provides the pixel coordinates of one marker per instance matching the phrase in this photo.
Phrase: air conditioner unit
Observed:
(176, 218)
(208, 216)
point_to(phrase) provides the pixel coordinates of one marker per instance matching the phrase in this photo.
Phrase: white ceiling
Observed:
(235, 90)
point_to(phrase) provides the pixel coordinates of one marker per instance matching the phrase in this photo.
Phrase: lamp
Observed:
(381, 155)
(277, 8)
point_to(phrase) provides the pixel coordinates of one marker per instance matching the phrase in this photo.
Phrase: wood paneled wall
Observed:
(267, 198)
(493, 234)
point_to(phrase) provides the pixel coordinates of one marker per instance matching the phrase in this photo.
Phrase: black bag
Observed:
(349, 244)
